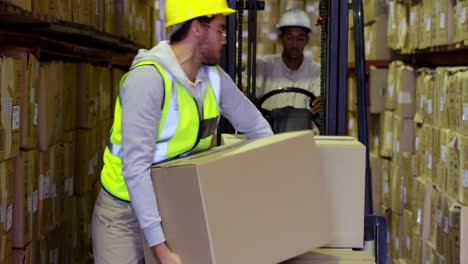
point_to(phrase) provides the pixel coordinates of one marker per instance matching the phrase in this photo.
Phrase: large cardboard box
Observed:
(25, 198)
(245, 202)
(345, 188)
(6, 207)
(50, 104)
(333, 256)
(9, 110)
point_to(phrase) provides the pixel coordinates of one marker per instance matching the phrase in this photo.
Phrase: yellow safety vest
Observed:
(181, 128)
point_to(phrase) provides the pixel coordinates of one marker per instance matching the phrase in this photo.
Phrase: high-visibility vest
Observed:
(182, 129)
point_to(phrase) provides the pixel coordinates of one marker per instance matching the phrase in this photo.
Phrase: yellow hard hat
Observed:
(178, 11)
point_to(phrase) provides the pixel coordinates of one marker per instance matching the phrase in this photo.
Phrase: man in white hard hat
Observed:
(168, 106)
(290, 68)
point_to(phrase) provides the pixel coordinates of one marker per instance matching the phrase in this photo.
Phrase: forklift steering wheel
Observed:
(266, 113)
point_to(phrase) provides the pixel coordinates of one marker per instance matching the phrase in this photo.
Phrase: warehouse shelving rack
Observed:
(49, 37)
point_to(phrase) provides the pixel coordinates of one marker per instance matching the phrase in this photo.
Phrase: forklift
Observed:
(333, 20)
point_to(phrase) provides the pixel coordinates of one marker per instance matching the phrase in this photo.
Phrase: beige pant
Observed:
(115, 231)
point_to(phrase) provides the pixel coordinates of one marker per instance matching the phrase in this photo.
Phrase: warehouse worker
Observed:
(290, 68)
(169, 105)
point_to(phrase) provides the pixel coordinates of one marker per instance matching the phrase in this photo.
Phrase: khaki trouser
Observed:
(116, 232)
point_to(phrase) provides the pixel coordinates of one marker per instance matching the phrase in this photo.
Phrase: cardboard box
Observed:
(403, 135)
(397, 29)
(373, 9)
(87, 96)
(414, 25)
(206, 186)
(352, 92)
(444, 22)
(353, 125)
(50, 104)
(332, 256)
(376, 40)
(385, 183)
(6, 207)
(25, 198)
(392, 80)
(86, 154)
(386, 134)
(377, 87)
(405, 92)
(25, 255)
(374, 138)
(9, 110)
(70, 92)
(26, 74)
(345, 188)
(427, 24)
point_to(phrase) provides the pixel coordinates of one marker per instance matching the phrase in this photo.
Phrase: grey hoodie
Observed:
(141, 98)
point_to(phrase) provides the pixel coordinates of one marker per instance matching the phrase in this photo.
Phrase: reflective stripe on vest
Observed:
(172, 119)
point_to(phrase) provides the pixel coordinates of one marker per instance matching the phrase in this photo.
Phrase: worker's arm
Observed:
(242, 114)
(141, 97)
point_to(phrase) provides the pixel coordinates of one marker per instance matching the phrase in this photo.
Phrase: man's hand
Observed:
(165, 255)
(315, 107)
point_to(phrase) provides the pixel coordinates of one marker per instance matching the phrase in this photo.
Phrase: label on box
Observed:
(376, 140)
(412, 18)
(70, 193)
(391, 89)
(418, 219)
(408, 243)
(442, 21)
(397, 244)
(428, 24)
(310, 8)
(437, 7)
(397, 145)
(350, 123)
(405, 195)
(368, 47)
(416, 143)
(9, 217)
(36, 114)
(443, 152)
(45, 184)
(51, 257)
(386, 187)
(439, 217)
(465, 112)
(446, 225)
(391, 7)
(429, 106)
(388, 138)
(429, 161)
(388, 237)
(32, 95)
(34, 199)
(15, 122)
(465, 178)
(463, 15)
(3, 212)
(403, 26)
(7, 105)
(404, 98)
(441, 104)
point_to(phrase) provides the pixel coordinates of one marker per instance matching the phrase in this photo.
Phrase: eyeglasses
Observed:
(220, 31)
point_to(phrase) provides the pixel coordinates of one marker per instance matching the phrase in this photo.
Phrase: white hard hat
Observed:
(294, 17)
